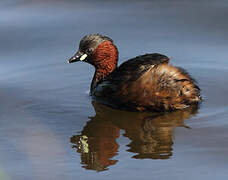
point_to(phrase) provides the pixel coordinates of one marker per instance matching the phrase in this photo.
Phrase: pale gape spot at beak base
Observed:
(83, 57)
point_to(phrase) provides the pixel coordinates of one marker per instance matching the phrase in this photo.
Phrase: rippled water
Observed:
(50, 129)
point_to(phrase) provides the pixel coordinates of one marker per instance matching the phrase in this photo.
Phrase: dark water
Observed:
(50, 129)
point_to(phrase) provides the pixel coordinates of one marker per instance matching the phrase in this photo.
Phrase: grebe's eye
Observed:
(89, 51)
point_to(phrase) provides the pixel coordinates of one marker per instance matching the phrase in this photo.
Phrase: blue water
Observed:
(50, 129)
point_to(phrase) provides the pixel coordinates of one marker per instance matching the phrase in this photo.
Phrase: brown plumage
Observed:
(144, 83)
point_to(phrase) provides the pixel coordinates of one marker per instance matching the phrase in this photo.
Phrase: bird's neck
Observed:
(105, 61)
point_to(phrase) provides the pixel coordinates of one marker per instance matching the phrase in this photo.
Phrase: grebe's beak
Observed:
(79, 56)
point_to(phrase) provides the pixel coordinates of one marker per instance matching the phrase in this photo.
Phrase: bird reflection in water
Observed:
(150, 135)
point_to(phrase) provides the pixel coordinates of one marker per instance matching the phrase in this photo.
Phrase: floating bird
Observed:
(144, 83)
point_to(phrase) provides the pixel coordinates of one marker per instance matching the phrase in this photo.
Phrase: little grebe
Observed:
(144, 83)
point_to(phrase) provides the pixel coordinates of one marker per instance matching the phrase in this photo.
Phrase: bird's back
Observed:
(148, 82)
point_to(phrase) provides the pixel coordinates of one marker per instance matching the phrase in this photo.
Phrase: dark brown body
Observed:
(148, 83)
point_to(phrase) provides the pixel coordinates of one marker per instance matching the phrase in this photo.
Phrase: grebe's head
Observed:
(97, 50)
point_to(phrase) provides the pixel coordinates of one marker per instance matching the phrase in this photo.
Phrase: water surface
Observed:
(50, 129)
